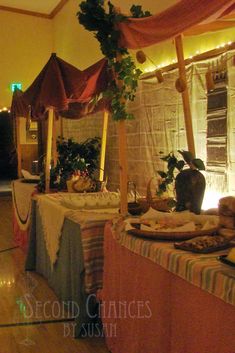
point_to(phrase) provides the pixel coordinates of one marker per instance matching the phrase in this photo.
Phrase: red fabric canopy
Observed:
(137, 33)
(53, 87)
(18, 105)
(59, 85)
(96, 79)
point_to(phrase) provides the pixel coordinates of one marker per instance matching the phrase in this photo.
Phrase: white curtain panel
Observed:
(159, 126)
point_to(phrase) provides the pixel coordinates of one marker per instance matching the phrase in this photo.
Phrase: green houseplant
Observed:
(73, 159)
(188, 183)
(102, 21)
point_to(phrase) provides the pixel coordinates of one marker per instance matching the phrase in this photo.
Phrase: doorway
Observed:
(8, 156)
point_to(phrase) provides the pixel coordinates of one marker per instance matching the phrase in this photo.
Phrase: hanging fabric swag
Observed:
(142, 32)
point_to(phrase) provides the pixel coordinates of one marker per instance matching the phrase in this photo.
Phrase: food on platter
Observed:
(175, 225)
(205, 244)
(171, 226)
(227, 233)
(231, 255)
(227, 221)
(83, 184)
(168, 226)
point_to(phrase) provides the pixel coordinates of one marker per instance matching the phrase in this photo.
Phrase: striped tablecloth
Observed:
(202, 270)
(92, 236)
(21, 199)
(91, 227)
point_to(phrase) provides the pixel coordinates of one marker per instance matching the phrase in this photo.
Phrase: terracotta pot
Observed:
(190, 186)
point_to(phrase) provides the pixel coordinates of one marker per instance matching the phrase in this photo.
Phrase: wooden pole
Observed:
(185, 95)
(54, 138)
(18, 146)
(122, 146)
(103, 145)
(61, 128)
(49, 145)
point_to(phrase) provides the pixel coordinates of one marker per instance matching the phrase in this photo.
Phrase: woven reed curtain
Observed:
(84, 128)
(231, 120)
(220, 182)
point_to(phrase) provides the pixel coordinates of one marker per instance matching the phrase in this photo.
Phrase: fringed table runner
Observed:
(21, 197)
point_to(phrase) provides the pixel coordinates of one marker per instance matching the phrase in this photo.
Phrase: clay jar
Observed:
(190, 186)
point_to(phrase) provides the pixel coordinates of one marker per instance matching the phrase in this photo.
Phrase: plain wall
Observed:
(71, 41)
(26, 44)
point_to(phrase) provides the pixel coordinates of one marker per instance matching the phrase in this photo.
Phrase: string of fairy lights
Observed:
(166, 63)
(5, 109)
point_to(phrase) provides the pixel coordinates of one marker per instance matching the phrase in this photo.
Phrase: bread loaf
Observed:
(227, 222)
(227, 206)
(227, 233)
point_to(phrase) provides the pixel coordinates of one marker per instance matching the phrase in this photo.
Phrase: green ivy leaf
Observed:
(172, 162)
(169, 180)
(162, 174)
(188, 157)
(165, 158)
(198, 163)
(137, 12)
(162, 187)
(93, 17)
(180, 165)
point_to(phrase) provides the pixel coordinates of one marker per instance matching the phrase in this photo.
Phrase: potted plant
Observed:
(74, 160)
(189, 183)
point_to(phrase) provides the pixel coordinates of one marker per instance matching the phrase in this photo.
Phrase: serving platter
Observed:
(161, 235)
(203, 251)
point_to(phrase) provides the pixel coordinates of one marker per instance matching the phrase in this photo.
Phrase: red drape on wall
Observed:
(142, 32)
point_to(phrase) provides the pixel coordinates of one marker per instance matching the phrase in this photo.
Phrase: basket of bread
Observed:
(226, 212)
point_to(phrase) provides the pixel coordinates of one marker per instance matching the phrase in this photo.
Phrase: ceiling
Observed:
(42, 6)
(47, 7)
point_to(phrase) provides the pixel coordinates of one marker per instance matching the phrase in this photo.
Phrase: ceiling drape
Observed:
(138, 33)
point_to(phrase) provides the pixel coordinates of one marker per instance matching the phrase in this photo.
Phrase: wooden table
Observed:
(76, 275)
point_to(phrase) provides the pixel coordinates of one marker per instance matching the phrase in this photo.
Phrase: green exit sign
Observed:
(16, 85)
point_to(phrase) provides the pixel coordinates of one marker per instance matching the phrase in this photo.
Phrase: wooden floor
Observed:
(31, 318)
